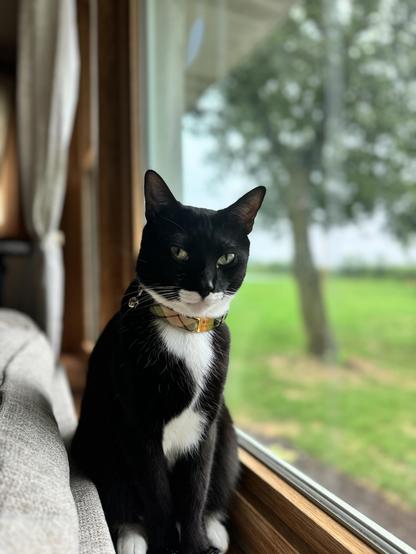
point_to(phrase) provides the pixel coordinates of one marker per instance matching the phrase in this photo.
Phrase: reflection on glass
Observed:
(317, 101)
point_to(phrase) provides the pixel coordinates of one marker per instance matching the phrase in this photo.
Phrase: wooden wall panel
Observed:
(118, 150)
(105, 149)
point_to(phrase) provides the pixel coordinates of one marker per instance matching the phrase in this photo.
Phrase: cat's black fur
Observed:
(135, 386)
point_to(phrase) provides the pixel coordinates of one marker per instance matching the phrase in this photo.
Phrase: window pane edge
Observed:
(376, 536)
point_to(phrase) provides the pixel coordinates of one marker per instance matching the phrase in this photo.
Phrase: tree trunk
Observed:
(320, 340)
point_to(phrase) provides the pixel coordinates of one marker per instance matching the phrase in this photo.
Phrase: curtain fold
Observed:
(47, 92)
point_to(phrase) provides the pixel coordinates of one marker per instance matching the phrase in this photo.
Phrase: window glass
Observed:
(316, 100)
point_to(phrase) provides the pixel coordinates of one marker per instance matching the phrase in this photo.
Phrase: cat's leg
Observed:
(128, 521)
(131, 539)
(216, 532)
(189, 482)
(122, 508)
(149, 479)
(223, 480)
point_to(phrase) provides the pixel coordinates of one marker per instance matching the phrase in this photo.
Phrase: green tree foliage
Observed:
(323, 111)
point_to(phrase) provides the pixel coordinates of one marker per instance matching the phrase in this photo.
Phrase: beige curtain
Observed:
(47, 91)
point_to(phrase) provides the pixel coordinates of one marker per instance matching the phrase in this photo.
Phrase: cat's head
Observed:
(192, 259)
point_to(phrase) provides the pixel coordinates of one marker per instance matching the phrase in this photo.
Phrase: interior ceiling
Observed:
(232, 29)
(8, 25)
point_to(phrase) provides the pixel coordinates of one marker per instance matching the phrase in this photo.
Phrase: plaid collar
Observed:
(192, 324)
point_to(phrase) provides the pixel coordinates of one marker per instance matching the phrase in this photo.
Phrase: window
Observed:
(315, 100)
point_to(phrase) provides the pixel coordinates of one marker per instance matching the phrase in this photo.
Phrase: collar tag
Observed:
(134, 300)
(203, 324)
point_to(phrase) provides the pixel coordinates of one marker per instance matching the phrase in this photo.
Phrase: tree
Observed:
(323, 112)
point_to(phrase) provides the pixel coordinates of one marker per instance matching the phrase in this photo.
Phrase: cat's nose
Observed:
(207, 286)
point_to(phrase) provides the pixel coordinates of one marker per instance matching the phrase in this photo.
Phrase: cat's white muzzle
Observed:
(192, 297)
(191, 303)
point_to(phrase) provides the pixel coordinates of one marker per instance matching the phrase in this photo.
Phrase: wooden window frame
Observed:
(269, 512)
(108, 100)
(269, 515)
(291, 508)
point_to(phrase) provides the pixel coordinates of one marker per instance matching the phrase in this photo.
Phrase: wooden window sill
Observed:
(269, 516)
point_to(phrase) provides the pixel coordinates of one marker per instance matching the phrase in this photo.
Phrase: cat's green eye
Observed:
(179, 254)
(226, 259)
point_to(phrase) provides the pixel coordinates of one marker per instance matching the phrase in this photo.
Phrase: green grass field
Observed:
(358, 414)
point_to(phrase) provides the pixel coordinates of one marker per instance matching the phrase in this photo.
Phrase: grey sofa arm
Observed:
(38, 511)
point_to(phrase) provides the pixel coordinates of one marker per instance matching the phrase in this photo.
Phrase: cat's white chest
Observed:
(183, 433)
(195, 349)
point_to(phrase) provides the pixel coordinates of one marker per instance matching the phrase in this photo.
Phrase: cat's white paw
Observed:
(217, 533)
(131, 540)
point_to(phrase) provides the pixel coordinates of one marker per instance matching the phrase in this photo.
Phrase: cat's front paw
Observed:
(217, 535)
(131, 540)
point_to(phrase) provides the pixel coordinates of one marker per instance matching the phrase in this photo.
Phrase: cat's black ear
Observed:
(246, 207)
(157, 194)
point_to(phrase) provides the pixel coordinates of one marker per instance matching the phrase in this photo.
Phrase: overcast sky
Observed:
(366, 243)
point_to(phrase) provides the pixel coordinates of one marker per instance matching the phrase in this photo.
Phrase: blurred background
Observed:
(313, 99)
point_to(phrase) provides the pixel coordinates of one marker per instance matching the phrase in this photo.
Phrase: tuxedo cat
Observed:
(154, 433)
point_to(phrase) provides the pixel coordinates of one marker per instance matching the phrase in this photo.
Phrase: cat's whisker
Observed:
(164, 292)
(167, 288)
(230, 292)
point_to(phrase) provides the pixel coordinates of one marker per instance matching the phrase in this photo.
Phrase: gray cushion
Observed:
(39, 513)
(94, 536)
(37, 509)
